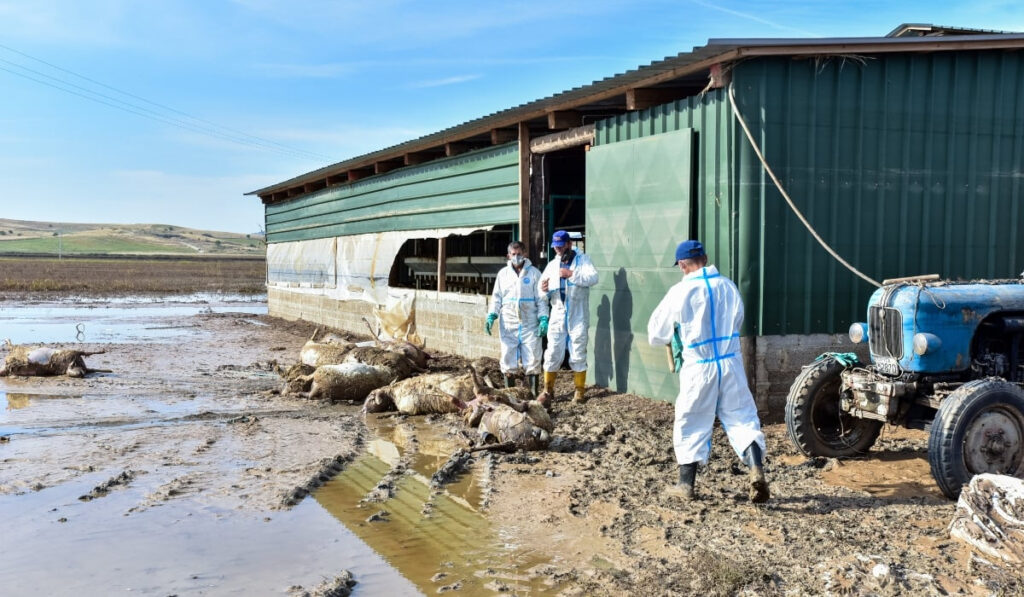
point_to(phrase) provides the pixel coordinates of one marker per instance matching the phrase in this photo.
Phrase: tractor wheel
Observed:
(814, 420)
(979, 428)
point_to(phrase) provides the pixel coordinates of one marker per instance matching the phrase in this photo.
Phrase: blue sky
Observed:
(306, 83)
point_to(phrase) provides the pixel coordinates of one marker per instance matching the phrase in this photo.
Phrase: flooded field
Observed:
(185, 471)
(168, 475)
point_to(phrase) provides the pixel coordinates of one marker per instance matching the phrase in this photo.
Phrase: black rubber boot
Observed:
(758, 484)
(687, 478)
(510, 382)
(534, 384)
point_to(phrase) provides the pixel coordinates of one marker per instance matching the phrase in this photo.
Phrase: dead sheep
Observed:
(43, 361)
(507, 416)
(420, 395)
(330, 350)
(364, 369)
(415, 353)
(350, 381)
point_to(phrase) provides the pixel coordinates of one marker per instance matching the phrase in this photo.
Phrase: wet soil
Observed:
(194, 428)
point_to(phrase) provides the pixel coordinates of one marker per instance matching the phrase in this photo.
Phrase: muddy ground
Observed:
(593, 508)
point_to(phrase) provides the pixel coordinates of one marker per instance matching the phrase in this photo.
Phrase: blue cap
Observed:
(560, 238)
(688, 249)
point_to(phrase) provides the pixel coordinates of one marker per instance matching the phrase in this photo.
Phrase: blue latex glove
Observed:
(542, 329)
(677, 348)
(490, 322)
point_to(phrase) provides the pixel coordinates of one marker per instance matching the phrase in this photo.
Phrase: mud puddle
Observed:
(64, 545)
(102, 323)
(440, 540)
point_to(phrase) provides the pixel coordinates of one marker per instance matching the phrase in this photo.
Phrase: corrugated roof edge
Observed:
(714, 50)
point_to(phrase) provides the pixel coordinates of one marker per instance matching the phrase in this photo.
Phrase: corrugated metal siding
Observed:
(474, 189)
(719, 214)
(907, 164)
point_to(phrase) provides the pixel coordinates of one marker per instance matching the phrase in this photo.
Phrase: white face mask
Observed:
(516, 260)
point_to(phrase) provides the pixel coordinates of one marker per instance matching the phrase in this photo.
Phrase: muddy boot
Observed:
(758, 493)
(534, 384)
(549, 382)
(687, 478)
(579, 379)
(510, 382)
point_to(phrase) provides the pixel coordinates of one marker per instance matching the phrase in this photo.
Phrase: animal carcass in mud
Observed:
(415, 353)
(990, 517)
(507, 416)
(437, 393)
(421, 395)
(43, 361)
(330, 350)
(364, 369)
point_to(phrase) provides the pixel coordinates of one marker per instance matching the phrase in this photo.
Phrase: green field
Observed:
(54, 238)
(87, 245)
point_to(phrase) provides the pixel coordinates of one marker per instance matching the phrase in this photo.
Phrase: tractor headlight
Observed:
(859, 333)
(926, 343)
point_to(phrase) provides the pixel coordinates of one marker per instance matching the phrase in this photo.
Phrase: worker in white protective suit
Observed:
(705, 312)
(523, 317)
(566, 282)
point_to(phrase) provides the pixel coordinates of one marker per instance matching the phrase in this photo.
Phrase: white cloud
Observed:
(445, 81)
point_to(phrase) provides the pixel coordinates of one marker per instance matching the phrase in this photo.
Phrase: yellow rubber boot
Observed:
(549, 382)
(579, 379)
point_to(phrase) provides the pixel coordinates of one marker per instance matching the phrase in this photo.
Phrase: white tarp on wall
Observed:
(347, 267)
(305, 264)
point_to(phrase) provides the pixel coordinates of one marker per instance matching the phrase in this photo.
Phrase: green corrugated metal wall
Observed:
(474, 189)
(905, 163)
(639, 200)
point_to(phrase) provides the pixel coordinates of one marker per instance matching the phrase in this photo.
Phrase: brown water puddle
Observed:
(451, 541)
(886, 474)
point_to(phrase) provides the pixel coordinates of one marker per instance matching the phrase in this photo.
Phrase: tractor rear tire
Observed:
(815, 423)
(979, 428)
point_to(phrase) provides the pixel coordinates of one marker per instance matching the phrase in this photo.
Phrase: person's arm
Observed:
(661, 325)
(585, 274)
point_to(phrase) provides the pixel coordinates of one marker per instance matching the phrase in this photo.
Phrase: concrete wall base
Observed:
(447, 321)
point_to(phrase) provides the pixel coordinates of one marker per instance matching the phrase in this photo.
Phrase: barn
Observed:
(905, 154)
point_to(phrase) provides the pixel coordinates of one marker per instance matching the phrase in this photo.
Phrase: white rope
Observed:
(785, 195)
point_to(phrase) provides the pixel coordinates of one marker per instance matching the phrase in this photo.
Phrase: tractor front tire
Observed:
(816, 424)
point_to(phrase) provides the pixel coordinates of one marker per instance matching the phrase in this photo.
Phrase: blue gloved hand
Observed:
(490, 322)
(677, 348)
(542, 329)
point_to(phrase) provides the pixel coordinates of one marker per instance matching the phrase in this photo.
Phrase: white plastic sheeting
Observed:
(346, 267)
(307, 263)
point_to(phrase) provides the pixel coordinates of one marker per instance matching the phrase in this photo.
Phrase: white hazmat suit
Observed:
(707, 307)
(516, 300)
(570, 312)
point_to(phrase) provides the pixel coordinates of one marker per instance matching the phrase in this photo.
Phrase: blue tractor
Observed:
(947, 357)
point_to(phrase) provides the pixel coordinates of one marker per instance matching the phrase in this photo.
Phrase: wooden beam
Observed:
(641, 98)
(354, 175)
(386, 166)
(575, 137)
(534, 238)
(502, 136)
(411, 159)
(455, 148)
(442, 259)
(564, 119)
(524, 185)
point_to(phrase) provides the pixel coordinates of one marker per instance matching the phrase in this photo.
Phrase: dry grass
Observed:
(121, 275)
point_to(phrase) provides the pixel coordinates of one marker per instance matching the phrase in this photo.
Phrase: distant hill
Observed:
(20, 236)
